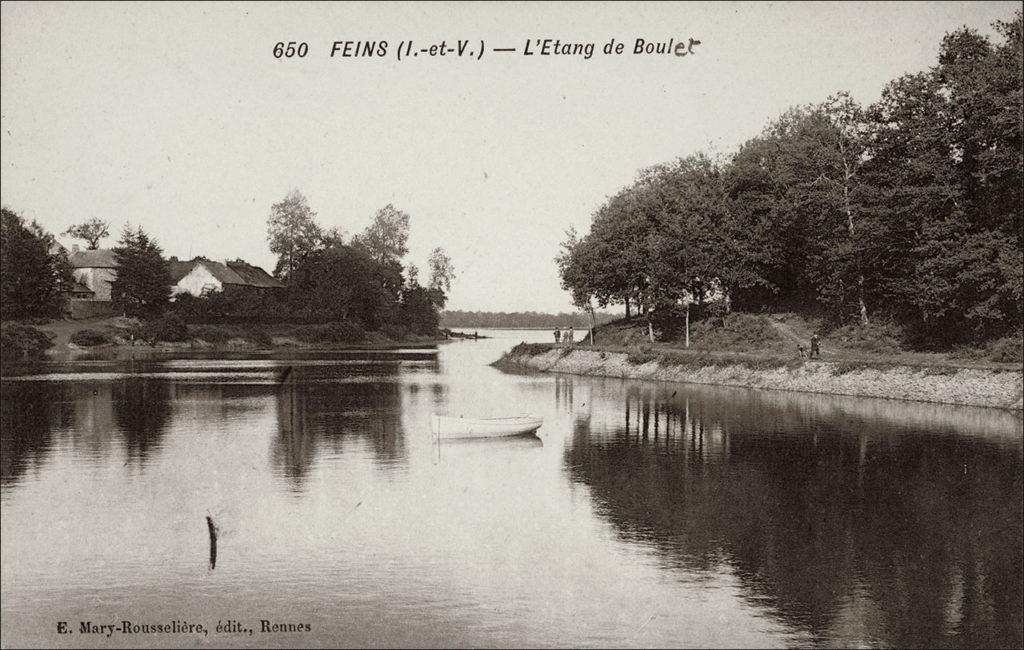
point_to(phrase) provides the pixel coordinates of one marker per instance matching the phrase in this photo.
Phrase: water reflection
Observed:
(913, 535)
(142, 408)
(26, 433)
(641, 513)
(335, 407)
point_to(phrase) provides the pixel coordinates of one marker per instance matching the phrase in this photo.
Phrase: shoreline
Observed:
(985, 387)
(289, 345)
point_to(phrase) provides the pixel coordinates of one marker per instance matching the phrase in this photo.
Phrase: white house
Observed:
(201, 276)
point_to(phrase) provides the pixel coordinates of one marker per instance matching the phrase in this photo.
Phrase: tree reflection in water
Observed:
(832, 523)
(332, 406)
(142, 410)
(28, 412)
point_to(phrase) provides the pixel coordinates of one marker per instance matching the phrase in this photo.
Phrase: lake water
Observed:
(642, 514)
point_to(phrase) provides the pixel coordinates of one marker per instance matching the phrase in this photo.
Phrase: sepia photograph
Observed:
(511, 324)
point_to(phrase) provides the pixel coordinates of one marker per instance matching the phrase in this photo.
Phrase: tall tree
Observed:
(33, 271)
(293, 232)
(442, 271)
(143, 284)
(387, 236)
(92, 231)
(845, 142)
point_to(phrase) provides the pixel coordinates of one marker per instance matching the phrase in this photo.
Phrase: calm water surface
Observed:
(642, 514)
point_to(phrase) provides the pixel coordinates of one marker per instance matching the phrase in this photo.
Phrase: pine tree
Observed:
(143, 284)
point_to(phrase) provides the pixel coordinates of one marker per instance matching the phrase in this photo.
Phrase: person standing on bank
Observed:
(815, 345)
(558, 335)
(570, 336)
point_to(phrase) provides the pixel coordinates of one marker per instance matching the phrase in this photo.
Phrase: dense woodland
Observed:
(907, 211)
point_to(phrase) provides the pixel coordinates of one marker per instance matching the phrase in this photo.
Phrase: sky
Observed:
(178, 118)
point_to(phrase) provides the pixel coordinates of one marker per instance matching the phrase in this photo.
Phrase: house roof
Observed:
(101, 258)
(254, 275)
(237, 272)
(179, 269)
(220, 271)
(223, 273)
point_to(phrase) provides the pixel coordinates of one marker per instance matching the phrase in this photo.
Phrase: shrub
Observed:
(1007, 350)
(169, 327)
(737, 331)
(638, 355)
(18, 339)
(88, 338)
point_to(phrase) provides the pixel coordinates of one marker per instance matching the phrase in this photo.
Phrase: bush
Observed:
(88, 338)
(18, 339)
(1007, 350)
(169, 327)
(737, 331)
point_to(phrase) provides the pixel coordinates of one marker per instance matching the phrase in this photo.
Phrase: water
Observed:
(643, 514)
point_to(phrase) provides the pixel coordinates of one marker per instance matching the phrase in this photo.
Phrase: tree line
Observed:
(906, 211)
(362, 279)
(327, 279)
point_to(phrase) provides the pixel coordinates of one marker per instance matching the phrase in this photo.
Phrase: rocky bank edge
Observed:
(965, 386)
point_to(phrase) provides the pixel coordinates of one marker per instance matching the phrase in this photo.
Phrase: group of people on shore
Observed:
(568, 337)
(815, 350)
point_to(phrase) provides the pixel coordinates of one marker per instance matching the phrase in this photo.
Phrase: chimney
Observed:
(173, 258)
(74, 248)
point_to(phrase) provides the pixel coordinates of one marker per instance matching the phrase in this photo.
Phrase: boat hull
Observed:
(451, 427)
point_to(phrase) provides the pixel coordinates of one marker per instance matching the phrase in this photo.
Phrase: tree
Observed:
(421, 308)
(143, 284)
(293, 232)
(846, 146)
(442, 271)
(386, 237)
(341, 283)
(573, 268)
(34, 272)
(92, 231)
(946, 169)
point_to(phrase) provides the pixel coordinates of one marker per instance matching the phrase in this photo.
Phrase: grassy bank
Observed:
(781, 335)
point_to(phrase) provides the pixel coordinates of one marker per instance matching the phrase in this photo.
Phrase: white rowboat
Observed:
(450, 427)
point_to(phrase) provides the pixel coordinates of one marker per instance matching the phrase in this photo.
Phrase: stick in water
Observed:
(213, 541)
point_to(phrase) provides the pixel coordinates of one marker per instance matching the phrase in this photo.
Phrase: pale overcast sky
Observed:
(178, 118)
